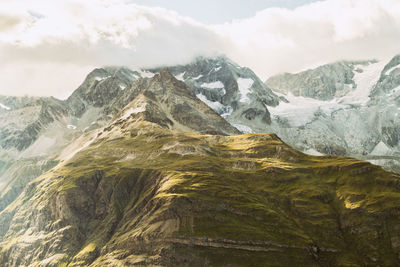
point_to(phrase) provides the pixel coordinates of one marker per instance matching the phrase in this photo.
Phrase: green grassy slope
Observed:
(173, 198)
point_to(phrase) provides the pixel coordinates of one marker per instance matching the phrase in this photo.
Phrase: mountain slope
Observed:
(145, 191)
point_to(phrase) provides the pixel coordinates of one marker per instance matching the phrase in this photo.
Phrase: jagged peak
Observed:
(169, 85)
(166, 74)
(97, 72)
(169, 103)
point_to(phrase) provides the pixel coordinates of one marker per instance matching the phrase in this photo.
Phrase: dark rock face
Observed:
(391, 135)
(324, 83)
(230, 90)
(36, 114)
(170, 102)
(389, 79)
(99, 88)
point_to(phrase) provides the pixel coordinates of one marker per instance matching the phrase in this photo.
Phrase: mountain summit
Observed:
(234, 92)
(169, 103)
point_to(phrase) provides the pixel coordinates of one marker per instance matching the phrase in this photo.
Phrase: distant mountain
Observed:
(324, 83)
(345, 108)
(22, 118)
(168, 182)
(32, 129)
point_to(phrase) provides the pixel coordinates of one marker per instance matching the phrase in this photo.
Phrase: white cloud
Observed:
(47, 47)
(278, 40)
(52, 41)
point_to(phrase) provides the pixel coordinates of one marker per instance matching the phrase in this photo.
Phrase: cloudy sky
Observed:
(47, 47)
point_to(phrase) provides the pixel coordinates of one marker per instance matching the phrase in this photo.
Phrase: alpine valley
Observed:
(204, 164)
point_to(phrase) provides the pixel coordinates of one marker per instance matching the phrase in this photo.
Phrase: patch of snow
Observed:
(244, 88)
(72, 127)
(213, 85)
(122, 86)
(365, 81)
(216, 106)
(198, 77)
(381, 149)
(301, 110)
(4, 107)
(313, 152)
(217, 69)
(180, 76)
(145, 73)
(101, 78)
(379, 162)
(242, 128)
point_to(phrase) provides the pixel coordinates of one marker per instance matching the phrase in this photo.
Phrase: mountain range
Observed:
(174, 166)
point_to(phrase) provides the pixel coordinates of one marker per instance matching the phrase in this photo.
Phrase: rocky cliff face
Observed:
(108, 89)
(171, 103)
(324, 83)
(234, 92)
(147, 191)
(21, 119)
(389, 79)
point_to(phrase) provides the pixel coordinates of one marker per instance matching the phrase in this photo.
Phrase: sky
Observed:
(48, 47)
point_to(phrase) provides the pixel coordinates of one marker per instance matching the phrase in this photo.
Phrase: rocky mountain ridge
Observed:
(145, 191)
(323, 83)
(234, 92)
